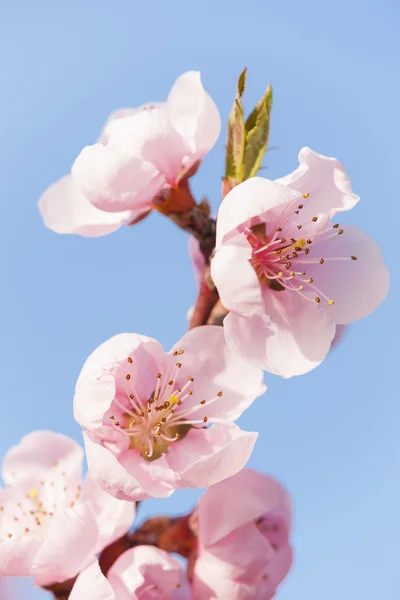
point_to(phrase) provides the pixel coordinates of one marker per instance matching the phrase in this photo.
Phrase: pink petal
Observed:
(213, 581)
(239, 290)
(142, 567)
(17, 554)
(206, 456)
(340, 334)
(292, 338)
(65, 210)
(193, 113)
(114, 517)
(248, 204)
(121, 113)
(219, 370)
(70, 542)
(115, 182)
(37, 453)
(245, 551)
(150, 136)
(110, 475)
(156, 478)
(251, 495)
(92, 585)
(325, 179)
(95, 388)
(356, 286)
(197, 258)
(279, 567)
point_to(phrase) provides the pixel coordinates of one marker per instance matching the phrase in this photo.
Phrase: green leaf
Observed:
(265, 100)
(241, 84)
(236, 136)
(256, 144)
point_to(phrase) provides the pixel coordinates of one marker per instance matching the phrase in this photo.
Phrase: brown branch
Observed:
(206, 300)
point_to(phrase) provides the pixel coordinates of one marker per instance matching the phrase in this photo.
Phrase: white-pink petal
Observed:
(248, 204)
(357, 286)
(66, 210)
(291, 338)
(113, 517)
(219, 370)
(113, 181)
(207, 456)
(193, 113)
(91, 584)
(71, 539)
(95, 388)
(235, 278)
(326, 182)
(38, 452)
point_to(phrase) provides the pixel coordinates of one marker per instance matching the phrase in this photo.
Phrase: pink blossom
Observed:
(141, 573)
(287, 274)
(51, 523)
(146, 413)
(140, 153)
(198, 260)
(243, 538)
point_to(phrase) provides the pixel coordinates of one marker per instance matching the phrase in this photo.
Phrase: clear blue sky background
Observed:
(331, 436)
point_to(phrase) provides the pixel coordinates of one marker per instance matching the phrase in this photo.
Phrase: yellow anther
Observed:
(330, 302)
(306, 195)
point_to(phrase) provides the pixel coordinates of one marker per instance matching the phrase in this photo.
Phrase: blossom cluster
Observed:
(286, 275)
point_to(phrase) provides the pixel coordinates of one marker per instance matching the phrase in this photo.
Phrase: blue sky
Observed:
(331, 436)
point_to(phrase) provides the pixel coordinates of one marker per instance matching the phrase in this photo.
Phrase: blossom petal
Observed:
(235, 278)
(150, 136)
(193, 113)
(107, 472)
(356, 286)
(198, 260)
(219, 370)
(115, 182)
(92, 585)
(114, 517)
(70, 541)
(206, 456)
(95, 388)
(294, 338)
(141, 567)
(259, 495)
(326, 182)
(248, 204)
(121, 113)
(38, 452)
(17, 554)
(66, 210)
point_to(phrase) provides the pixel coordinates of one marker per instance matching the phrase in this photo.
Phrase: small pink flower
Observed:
(243, 535)
(287, 274)
(141, 573)
(51, 523)
(146, 413)
(197, 258)
(140, 153)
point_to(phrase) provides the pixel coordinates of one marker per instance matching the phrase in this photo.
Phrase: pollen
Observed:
(306, 195)
(331, 302)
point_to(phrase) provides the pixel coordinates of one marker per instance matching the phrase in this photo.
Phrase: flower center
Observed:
(281, 259)
(153, 424)
(33, 512)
